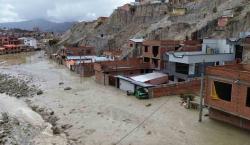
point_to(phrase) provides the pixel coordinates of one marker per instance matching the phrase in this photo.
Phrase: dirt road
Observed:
(93, 114)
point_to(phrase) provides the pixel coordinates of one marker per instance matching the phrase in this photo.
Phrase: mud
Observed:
(92, 114)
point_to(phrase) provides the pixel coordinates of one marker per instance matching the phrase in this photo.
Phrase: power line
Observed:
(147, 118)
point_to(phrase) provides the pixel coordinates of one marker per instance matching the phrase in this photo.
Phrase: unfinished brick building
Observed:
(112, 54)
(135, 48)
(5, 40)
(105, 72)
(9, 49)
(228, 94)
(154, 50)
(78, 51)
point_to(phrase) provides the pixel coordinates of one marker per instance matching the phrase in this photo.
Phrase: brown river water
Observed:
(103, 115)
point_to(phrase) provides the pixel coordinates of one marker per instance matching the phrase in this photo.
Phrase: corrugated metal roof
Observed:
(145, 85)
(137, 40)
(93, 58)
(148, 77)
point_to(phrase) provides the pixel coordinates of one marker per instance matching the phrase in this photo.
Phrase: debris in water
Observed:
(61, 83)
(40, 92)
(149, 133)
(67, 88)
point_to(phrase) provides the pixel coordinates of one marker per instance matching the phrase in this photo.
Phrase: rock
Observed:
(149, 133)
(67, 88)
(40, 92)
(66, 126)
(99, 113)
(56, 130)
(61, 83)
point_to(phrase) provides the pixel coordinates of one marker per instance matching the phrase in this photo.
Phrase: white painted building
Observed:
(184, 65)
(28, 41)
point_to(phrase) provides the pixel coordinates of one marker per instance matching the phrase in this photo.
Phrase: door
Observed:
(126, 86)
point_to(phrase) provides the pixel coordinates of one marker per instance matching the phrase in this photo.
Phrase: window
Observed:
(182, 68)
(248, 98)
(146, 49)
(155, 62)
(131, 45)
(88, 52)
(155, 51)
(222, 91)
(146, 59)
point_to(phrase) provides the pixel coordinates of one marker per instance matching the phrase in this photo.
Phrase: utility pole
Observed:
(202, 91)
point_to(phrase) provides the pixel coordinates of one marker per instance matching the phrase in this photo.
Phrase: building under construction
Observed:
(228, 94)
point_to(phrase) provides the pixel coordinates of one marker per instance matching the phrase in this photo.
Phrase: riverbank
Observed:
(22, 124)
(92, 114)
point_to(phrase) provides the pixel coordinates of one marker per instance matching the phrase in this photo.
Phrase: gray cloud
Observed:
(56, 10)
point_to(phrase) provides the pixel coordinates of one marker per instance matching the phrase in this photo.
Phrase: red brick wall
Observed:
(99, 77)
(86, 69)
(159, 81)
(225, 117)
(240, 81)
(190, 87)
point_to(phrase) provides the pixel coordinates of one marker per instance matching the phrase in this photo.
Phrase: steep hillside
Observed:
(156, 21)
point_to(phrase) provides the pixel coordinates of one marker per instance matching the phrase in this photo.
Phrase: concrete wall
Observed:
(219, 44)
(198, 58)
(190, 87)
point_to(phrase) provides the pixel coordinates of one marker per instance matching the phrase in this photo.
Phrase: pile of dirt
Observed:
(16, 87)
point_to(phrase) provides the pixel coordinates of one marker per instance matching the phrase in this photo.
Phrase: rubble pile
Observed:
(16, 87)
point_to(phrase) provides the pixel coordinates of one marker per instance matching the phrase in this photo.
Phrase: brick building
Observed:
(78, 51)
(228, 94)
(8, 49)
(135, 47)
(105, 72)
(6, 40)
(84, 65)
(112, 54)
(154, 50)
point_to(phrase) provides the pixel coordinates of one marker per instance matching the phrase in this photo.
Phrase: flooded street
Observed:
(92, 114)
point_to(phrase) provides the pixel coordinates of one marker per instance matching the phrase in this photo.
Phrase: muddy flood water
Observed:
(92, 114)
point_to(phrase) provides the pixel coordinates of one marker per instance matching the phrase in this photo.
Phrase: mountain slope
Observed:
(43, 25)
(155, 21)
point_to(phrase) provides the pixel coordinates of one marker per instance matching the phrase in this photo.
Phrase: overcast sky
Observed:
(56, 10)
